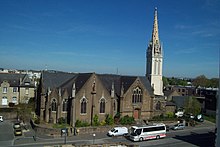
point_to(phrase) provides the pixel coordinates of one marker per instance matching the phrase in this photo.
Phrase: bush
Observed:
(127, 120)
(81, 123)
(96, 121)
(37, 120)
(103, 123)
(170, 114)
(109, 120)
(167, 117)
(61, 120)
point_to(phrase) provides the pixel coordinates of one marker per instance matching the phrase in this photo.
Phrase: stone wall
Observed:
(57, 132)
(8, 113)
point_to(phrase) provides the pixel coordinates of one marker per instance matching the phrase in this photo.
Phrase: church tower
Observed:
(155, 60)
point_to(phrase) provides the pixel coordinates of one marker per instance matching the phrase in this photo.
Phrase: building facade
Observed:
(81, 96)
(15, 89)
(84, 95)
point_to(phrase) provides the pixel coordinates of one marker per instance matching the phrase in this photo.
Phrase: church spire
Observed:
(155, 34)
(155, 59)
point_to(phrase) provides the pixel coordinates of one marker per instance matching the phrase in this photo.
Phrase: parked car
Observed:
(199, 118)
(17, 125)
(1, 118)
(117, 131)
(179, 126)
(18, 132)
(189, 115)
(179, 114)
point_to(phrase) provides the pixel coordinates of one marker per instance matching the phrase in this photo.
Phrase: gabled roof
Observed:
(169, 92)
(12, 78)
(79, 80)
(55, 79)
(179, 100)
(26, 82)
(109, 79)
(65, 81)
(125, 81)
(147, 85)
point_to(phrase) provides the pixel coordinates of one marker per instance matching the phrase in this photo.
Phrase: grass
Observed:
(210, 118)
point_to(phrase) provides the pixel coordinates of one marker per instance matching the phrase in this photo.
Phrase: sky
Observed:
(110, 36)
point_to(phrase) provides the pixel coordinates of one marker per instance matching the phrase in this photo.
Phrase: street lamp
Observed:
(93, 138)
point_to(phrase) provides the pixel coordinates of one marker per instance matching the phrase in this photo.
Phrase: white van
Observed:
(117, 131)
(1, 119)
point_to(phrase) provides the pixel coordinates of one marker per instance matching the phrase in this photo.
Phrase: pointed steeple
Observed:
(155, 59)
(155, 34)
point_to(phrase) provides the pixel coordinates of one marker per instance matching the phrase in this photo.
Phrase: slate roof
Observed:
(65, 81)
(55, 79)
(12, 78)
(147, 85)
(168, 103)
(79, 80)
(179, 100)
(25, 80)
(108, 79)
(127, 81)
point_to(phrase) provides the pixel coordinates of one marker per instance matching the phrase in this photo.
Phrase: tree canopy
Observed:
(205, 82)
(192, 106)
(201, 81)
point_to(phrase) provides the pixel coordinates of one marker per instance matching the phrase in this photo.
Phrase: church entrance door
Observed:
(136, 113)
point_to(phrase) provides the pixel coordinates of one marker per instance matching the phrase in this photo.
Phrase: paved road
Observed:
(191, 136)
(6, 133)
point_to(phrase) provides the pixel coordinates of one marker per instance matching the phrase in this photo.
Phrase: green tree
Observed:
(24, 112)
(214, 82)
(165, 82)
(192, 105)
(201, 81)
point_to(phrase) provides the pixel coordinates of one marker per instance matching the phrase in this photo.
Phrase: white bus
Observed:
(141, 133)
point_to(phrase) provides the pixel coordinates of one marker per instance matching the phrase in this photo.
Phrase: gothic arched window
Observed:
(65, 104)
(102, 105)
(83, 105)
(137, 95)
(54, 105)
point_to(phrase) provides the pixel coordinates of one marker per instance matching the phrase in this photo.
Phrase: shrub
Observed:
(127, 120)
(103, 123)
(81, 123)
(109, 120)
(170, 115)
(61, 120)
(96, 121)
(37, 121)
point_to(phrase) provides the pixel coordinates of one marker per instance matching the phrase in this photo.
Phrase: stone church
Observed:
(81, 96)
